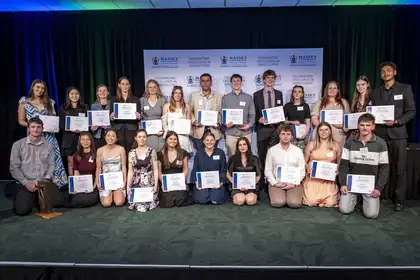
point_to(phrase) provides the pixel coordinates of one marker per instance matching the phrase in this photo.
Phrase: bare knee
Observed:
(239, 199)
(119, 202)
(107, 202)
(251, 199)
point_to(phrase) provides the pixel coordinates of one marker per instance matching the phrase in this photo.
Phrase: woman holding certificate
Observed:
(209, 173)
(152, 108)
(298, 114)
(73, 107)
(111, 171)
(317, 191)
(331, 109)
(125, 114)
(142, 174)
(361, 99)
(242, 163)
(84, 164)
(174, 110)
(102, 103)
(173, 171)
(38, 103)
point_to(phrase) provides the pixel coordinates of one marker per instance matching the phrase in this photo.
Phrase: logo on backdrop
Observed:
(267, 61)
(193, 80)
(303, 60)
(165, 62)
(234, 61)
(199, 61)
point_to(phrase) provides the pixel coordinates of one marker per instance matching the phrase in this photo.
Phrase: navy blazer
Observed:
(265, 131)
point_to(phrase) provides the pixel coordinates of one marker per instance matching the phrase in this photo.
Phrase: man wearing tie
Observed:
(266, 98)
(394, 131)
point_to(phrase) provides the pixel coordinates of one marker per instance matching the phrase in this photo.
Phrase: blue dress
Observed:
(60, 176)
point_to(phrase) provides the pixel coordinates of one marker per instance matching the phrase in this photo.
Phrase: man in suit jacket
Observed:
(268, 97)
(207, 100)
(394, 131)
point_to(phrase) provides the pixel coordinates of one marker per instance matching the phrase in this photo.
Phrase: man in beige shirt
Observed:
(205, 100)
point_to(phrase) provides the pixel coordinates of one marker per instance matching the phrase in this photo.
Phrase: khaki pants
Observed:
(231, 143)
(292, 197)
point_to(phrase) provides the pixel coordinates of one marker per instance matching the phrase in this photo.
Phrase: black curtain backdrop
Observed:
(84, 49)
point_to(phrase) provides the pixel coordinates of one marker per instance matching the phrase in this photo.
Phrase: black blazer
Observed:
(265, 131)
(68, 137)
(402, 98)
(129, 124)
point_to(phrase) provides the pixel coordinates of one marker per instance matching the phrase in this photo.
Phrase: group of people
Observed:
(145, 158)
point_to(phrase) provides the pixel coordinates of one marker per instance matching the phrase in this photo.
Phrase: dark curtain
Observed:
(84, 49)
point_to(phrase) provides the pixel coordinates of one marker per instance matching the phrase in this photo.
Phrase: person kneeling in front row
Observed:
(365, 154)
(284, 154)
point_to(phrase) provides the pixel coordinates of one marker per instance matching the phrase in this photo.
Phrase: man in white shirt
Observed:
(284, 154)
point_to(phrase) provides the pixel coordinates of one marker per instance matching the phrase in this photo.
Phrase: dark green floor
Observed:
(215, 235)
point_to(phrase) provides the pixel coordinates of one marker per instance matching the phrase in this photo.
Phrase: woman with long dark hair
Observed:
(39, 103)
(73, 107)
(244, 161)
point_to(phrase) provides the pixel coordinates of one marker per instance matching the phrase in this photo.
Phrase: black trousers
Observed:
(397, 180)
(126, 138)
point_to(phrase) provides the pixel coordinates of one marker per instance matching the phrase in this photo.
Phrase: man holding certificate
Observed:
(238, 113)
(363, 157)
(394, 131)
(284, 154)
(205, 105)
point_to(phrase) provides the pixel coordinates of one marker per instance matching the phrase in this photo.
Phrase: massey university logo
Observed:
(224, 59)
(193, 79)
(155, 60)
(293, 59)
(258, 79)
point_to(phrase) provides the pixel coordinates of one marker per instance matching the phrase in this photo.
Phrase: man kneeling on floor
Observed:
(365, 154)
(32, 159)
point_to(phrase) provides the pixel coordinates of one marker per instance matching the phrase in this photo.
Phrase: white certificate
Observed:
(324, 170)
(208, 180)
(141, 195)
(152, 126)
(99, 118)
(273, 115)
(360, 183)
(112, 181)
(299, 130)
(244, 180)
(208, 117)
(173, 182)
(235, 116)
(81, 184)
(332, 116)
(77, 123)
(51, 123)
(180, 126)
(382, 113)
(125, 111)
(288, 174)
(351, 120)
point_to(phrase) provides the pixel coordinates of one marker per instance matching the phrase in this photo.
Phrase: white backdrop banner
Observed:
(184, 67)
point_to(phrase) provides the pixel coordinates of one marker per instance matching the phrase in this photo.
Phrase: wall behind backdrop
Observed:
(85, 49)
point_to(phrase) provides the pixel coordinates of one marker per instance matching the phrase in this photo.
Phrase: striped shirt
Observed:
(370, 158)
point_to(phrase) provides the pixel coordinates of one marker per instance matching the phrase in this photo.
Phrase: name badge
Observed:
(179, 162)
(90, 159)
(241, 103)
(300, 108)
(364, 150)
(82, 115)
(200, 102)
(279, 102)
(146, 108)
(398, 97)
(330, 154)
(216, 157)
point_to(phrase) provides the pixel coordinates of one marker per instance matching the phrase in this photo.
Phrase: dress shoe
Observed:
(399, 207)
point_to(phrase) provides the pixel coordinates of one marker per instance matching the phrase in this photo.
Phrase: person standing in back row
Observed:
(394, 132)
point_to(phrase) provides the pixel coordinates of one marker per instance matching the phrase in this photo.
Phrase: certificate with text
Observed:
(235, 116)
(288, 174)
(208, 180)
(51, 123)
(210, 118)
(112, 181)
(332, 116)
(125, 111)
(244, 180)
(299, 130)
(363, 184)
(324, 170)
(173, 182)
(382, 113)
(273, 115)
(141, 195)
(180, 126)
(99, 118)
(77, 123)
(351, 120)
(81, 184)
(152, 126)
